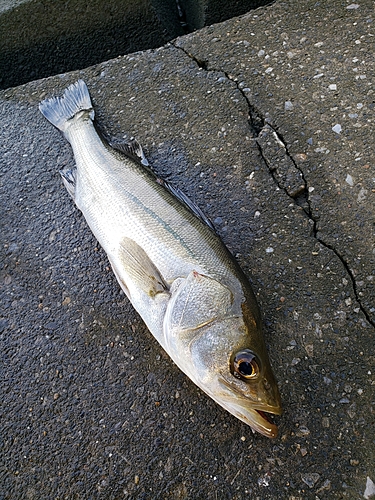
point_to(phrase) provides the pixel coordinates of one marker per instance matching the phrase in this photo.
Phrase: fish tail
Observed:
(58, 110)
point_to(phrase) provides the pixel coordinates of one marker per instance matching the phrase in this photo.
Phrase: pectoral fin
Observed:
(138, 267)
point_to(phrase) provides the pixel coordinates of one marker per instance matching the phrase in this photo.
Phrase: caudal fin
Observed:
(58, 110)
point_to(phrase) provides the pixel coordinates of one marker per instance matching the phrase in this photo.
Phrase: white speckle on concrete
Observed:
(310, 478)
(318, 44)
(344, 401)
(269, 250)
(319, 75)
(359, 105)
(352, 6)
(288, 106)
(264, 480)
(269, 70)
(349, 180)
(333, 86)
(337, 128)
(370, 489)
(362, 195)
(261, 53)
(311, 189)
(322, 150)
(325, 422)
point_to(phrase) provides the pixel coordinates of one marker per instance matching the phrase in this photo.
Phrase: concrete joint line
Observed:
(284, 170)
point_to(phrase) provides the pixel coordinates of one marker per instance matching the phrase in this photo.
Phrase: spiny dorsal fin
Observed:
(132, 149)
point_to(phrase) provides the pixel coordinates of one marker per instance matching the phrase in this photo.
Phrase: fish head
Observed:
(237, 374)
(217, 340)
(249, 390)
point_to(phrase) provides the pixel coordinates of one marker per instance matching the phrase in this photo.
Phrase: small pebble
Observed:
(288, 106)
(349, 180)
(302, 431)
(337, 128)
(310, 479)
(325, 422)
(370, 489)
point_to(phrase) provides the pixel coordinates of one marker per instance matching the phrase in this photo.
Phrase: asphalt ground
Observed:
(266, 122)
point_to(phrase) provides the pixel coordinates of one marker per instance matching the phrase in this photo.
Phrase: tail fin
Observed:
(58, 110)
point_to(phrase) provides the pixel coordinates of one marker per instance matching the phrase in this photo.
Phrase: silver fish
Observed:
(169, 261)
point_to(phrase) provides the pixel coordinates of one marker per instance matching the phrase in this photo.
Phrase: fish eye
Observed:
(245, 365)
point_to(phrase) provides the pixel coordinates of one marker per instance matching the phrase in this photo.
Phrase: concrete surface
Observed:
(266, 121)
(40, 39)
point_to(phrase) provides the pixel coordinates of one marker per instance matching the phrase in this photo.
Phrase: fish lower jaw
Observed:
(257, 418)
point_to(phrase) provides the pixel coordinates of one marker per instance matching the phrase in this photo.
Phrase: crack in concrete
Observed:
(309, 212)
(299, 194)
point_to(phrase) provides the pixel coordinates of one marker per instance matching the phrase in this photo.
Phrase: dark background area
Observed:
(40, 39)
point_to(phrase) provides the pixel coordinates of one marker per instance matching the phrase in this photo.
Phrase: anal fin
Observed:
(69, 178)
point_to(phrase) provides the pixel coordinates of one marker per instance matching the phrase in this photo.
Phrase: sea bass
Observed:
(169, 261)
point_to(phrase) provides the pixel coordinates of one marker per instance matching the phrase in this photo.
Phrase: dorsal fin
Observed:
(180, 195)
(132, 149)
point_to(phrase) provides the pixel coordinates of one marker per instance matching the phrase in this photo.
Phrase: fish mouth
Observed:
(256, 414)
(258, 419)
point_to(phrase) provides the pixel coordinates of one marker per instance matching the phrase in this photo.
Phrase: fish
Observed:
(172, 265)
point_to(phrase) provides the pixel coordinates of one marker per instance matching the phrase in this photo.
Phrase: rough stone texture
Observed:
(199, 13)
(93, 408)
(45, 38)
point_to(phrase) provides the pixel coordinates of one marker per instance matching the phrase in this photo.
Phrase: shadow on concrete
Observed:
(39, 40)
